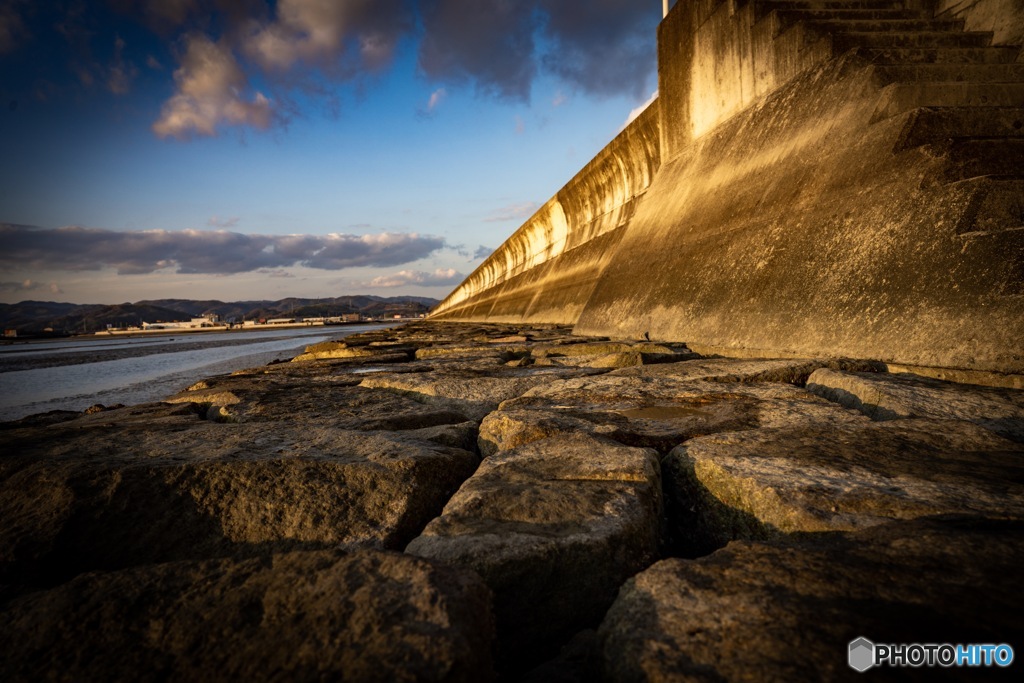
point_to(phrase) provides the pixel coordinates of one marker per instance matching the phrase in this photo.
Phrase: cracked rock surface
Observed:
(443, 501)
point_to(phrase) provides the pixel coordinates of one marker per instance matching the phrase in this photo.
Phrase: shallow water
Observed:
(74, 374)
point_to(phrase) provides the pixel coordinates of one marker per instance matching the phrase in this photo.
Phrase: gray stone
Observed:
(651, 412)
(300, 616)
(157, 483)
(471, 393)
(787, 612)
(792, 371)
(887, 397)
(767, 482)
(336, 398)
(553, 527)
(342, 349)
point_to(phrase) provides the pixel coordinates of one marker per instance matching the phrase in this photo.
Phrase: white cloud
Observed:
(513, 212)
(218, 222)
(403, 278)
(436, 98)
(322, 32)
(640, 110)
(210, 87)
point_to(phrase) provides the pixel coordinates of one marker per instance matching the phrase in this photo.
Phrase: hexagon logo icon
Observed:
(862, 654)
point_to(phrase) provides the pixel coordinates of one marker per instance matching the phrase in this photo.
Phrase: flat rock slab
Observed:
(553, 527)
(157, 483)
(658, 413)
(470, 391)
(887, 397)
(761, 483)
(334, 399)
(788, 612)
(792, 371)
(300, 616)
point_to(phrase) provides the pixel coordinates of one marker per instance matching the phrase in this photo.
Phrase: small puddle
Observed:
(363, 371)
(661, 412)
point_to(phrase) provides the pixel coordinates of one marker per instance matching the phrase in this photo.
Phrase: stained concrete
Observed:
(828, 180)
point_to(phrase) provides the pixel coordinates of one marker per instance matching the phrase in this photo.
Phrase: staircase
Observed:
(961, 96)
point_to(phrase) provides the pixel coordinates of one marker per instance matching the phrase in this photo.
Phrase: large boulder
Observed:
(335, 399)
(157, 483)
(554, 528)
(299, 616)
(767, 482)
(659, 413)
(785, 611)
(888, 397)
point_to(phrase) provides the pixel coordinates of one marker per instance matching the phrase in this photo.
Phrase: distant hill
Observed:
(35, 316)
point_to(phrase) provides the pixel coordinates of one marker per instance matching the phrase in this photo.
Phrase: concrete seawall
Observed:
(810, 182)
(545, 271)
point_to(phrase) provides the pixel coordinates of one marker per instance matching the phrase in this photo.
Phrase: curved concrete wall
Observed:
(807, 201)
(539, 257)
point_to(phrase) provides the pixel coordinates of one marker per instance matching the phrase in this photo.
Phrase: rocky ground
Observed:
(458, 502)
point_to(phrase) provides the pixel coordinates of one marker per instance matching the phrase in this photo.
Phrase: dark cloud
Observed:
(482, 252)
(603, 47)
(30, 286)
(13, 31)
(203, 252)
(489, 42)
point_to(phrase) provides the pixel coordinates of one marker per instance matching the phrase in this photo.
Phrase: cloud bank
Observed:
(217, 252)
(441, 277)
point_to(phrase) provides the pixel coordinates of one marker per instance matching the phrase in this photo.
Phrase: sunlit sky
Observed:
(242, 149)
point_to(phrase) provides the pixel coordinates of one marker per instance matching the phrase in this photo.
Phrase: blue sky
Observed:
(240, 149)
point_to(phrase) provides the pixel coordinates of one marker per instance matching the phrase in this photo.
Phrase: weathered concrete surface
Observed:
(811, 478)
(553, 527)
(544, 272)
(660, 414)
(157, 483)
(886, 397)
(1004, 18)
(800, 230)
(787, 612)
(827, 184)
(792, 371)
(300, 616)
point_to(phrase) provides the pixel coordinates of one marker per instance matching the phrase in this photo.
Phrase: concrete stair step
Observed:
(937, 55)
(941, 124)
(790, 16)
(913, 26)
(911, 39)
(949, 73)
(831, 5)
(900, 97)
(974, 157)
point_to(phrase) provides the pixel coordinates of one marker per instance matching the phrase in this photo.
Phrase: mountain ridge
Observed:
(36, 316)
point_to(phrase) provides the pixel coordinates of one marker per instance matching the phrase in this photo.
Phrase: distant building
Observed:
(10, 333)
(207, 320)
